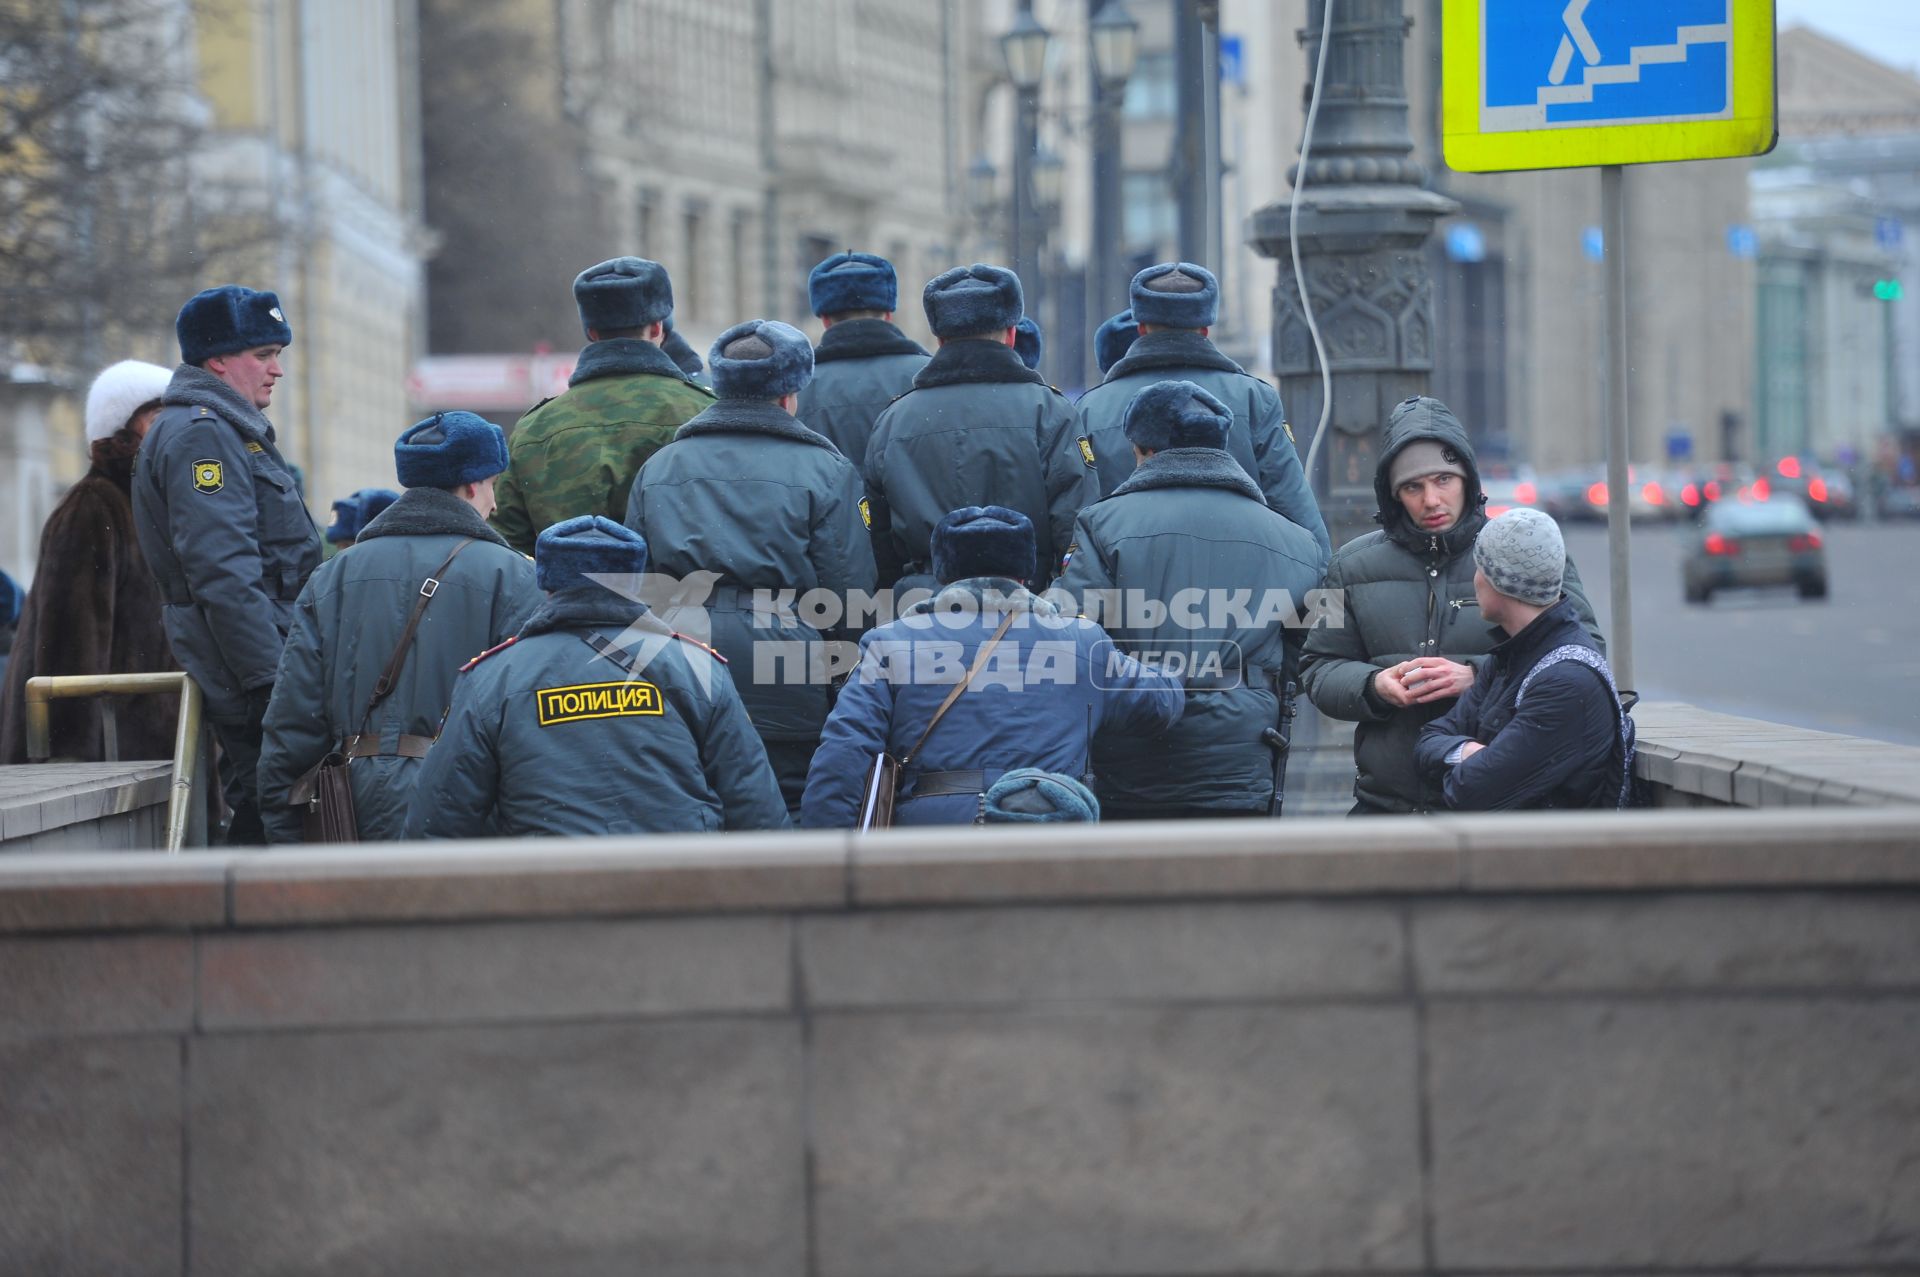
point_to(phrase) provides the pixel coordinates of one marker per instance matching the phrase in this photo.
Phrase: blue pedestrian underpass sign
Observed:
(1576, 83)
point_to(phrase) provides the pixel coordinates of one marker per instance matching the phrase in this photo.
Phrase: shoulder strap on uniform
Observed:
(383, 686)
(979, 663)
(537, 407)
(497, 647)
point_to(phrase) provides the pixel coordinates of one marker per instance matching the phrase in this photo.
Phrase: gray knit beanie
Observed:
(1423, 457)
(1523, 556)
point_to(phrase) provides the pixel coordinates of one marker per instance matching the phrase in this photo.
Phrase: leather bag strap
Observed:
(383, 688)
(979, 663)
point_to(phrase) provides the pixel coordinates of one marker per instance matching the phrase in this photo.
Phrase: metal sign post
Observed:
(1536, 84)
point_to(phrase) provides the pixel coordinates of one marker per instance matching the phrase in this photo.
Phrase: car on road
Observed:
(1504, 491)
(1828, 493)
(1756, 544)
(1648, 497)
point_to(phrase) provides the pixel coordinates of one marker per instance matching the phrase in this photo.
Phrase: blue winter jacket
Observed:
(1051, 683)
(859, 367)
(345, 626)
(1188, 569)
(767, 506)
(1259, 438)
(978, 428)
(1560, 747)
(550, 735)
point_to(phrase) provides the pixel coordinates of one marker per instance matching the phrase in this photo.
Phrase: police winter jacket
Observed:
(577, 453)
(548, 736)
(859, 367)
(1407, 594)
(224, 530)
(747, 493)
(978, 428)
(1190, 535)
(1259, 439)
(345, 626)
(1051, 683)
(1560, 747)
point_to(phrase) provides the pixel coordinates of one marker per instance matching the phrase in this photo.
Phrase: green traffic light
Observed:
(1888, 290)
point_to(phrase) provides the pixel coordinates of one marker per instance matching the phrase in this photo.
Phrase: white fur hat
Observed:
(118, 393)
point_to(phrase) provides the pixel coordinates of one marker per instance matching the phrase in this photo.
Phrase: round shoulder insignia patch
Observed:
(207, 477)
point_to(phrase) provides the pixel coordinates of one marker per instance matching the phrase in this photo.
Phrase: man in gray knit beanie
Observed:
(1521, 556)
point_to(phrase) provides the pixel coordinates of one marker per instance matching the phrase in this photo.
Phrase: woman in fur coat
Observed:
(93, 607)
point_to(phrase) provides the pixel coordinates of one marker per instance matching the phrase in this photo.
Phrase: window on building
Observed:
(694, 260)
(1151, 93)
(1151, 215)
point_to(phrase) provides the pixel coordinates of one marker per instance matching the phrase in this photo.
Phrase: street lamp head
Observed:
(1024, 46)
(1049, 179)
(1116, 44)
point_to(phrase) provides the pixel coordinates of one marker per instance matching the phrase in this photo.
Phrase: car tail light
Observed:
(1525, 494)
(1597, 494)
(1717, 544)
(1789, 467)
(1691, 494)
(1653, 494)
(1817, 489)
(1804, 542)
(1762, 489)
(1713, 490)
(1495, 511)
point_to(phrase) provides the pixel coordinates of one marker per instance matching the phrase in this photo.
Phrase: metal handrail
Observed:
(189, 753)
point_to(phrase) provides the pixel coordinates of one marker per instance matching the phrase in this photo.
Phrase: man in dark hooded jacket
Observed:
(1543, 728)
(577, 453)
(1412, 638)
(978, 428)
(351, 615)
(596, 718)
(222, 525)
(766, 506)
(1173, 306)
(1184, 563)
(863, 362)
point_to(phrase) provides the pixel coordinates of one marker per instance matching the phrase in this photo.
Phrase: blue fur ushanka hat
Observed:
(567, 552)
(228, 319)
(625, 292)
(852, 281)
(983, 541)
(352, 514)
(1026, 341)
(1028, 795)
(1175, 295)
(449, 449)
(1113, 338)
(972, 301)
(760, 359)
(1176, 414)
(676, 348)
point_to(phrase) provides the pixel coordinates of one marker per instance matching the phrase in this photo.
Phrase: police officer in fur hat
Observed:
(979, 427)
(863, 362)
(577, 453)
(1050, 682)
(1027, 342)
(353, 512)
(596, 718)
(1173, 305)
(748, 493)
(1189, 518)
(221, 522)
(349, 620)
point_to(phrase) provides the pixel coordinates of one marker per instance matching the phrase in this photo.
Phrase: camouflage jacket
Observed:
(577, 453)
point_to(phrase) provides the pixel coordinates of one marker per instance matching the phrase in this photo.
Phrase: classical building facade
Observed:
(735, 141)
(304, 179)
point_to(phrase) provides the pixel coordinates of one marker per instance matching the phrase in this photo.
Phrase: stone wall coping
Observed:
(1749, 762)
(38, 798)
(1657, 850)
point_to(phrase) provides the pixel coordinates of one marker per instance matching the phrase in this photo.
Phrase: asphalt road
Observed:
(1849, 663)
